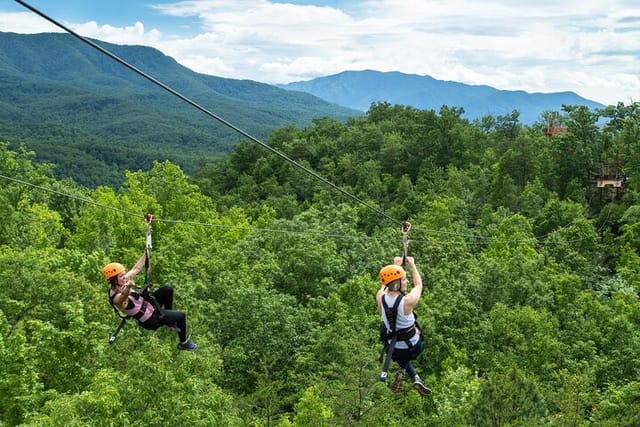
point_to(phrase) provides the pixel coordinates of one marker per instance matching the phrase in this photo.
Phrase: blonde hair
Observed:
(394, 285)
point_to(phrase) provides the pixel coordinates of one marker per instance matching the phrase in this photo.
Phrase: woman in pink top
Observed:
(123, 296)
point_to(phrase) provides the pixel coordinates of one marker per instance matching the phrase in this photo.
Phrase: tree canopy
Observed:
(530, 311)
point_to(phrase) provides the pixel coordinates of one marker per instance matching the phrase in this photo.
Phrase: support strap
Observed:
(147, 251)
(394, 331)
(405, 242)
(113, 337)
(147, 291)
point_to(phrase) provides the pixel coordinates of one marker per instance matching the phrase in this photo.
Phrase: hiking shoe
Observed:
(396, 385)
(189, 346)
(419, 385)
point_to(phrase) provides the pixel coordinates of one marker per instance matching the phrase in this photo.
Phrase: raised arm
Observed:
(413, 297)
(137, 267)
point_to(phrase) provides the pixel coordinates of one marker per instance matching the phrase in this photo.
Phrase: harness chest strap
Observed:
(404, 334)
(144, 311)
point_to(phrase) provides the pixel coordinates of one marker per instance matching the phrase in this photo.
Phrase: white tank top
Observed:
(402, 321)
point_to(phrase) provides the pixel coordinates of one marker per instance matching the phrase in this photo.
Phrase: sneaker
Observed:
(396, 385)
(190, 346)
(419, 385)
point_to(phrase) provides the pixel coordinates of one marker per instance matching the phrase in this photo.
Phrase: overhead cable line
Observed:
(194, 223)
(481, 240)
(70, 196)
(250, 137)
(206, 111)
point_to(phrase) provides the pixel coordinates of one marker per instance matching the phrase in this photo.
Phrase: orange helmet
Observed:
(112, 269)
(392, 272)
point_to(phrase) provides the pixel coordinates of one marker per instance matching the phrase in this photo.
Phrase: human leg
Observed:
(178, 320)
(404, 359)
(419, 386)
(174, 319)
(164, 297)
(396, 385)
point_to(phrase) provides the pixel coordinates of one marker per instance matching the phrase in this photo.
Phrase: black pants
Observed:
(171, 318)
(404, 356)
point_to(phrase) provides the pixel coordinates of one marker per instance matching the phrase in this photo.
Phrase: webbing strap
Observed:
(394, 331)
(405, 242)
(114, 335)
(147, 273)
(147, 251)
(147, 270)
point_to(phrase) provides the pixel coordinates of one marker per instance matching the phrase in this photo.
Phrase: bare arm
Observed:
(379, 294)
(136, 268)
(123, 291)
(413, 297)
(120, 299)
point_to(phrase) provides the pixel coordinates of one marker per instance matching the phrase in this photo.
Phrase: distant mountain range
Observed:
(95, 118)
(358, 89)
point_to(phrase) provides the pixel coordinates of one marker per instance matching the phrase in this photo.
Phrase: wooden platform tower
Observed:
(611, 179)
(553, 126)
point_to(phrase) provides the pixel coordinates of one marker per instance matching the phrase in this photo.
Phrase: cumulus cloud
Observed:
(25, 23)
(134, 34)
(588, 46)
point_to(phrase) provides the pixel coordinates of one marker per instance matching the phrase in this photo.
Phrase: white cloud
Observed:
(591, 47)
(134, 34)
(25, 23)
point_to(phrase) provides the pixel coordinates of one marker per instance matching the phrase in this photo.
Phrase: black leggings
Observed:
(404, 356)
(171, 318)
(164, 296)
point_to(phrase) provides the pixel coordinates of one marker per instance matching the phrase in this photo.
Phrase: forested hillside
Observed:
(95, 118)
(530, 310)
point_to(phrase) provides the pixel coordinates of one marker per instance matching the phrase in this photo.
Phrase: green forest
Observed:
(95, 119)
(531, 272)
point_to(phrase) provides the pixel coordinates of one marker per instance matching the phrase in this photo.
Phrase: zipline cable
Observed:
(194, 223)
(70, 196)
(483, 239)
(252, 138)
(206, 111)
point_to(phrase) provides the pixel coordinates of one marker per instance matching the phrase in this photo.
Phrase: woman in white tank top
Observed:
(408, 345)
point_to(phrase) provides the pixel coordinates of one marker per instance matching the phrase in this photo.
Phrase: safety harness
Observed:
(389, 336)
(149, 302)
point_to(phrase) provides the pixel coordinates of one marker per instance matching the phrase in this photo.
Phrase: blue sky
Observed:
(591, 47)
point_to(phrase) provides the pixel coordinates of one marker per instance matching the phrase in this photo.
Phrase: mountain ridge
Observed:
(359, 89)
(95, 118)
(68, 102)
